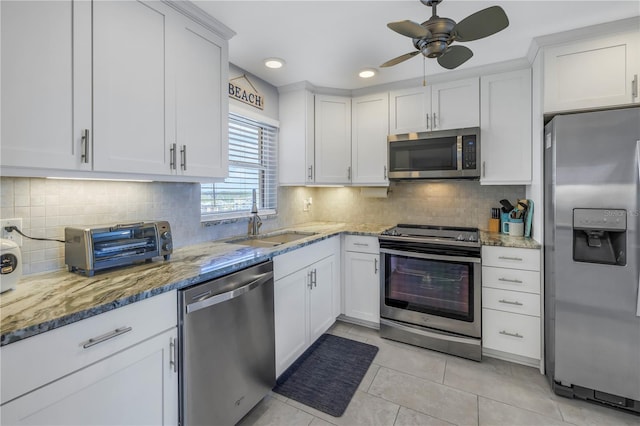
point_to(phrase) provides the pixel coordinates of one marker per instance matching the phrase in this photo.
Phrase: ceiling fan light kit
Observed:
(433, 37)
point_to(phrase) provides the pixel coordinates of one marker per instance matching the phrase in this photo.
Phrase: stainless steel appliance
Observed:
(430, 288)
(592, 256)
(227, 346)
(435, 155)
(87, 250)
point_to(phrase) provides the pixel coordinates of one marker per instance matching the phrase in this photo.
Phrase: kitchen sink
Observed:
(272, 240)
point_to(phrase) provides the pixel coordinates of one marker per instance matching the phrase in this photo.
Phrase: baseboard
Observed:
(356, 321)
(505, 356)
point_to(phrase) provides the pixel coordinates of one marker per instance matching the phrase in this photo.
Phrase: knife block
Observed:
(494, 225)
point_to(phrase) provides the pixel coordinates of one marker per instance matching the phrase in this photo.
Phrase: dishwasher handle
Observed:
(223, 297)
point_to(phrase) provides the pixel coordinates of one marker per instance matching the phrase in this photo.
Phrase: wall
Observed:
(455, 203)
(47, 206)
(268, 92)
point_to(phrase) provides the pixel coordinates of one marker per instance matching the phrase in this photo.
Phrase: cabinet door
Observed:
(333, 139)
(39, 53)
(506, 128)
(362, 286)
(201, 102)
(456, 104)
(295, 138)
(410, 110)
(369, 139)
(138, 386)
(321, 317)
(129, 87)
(593, 73)
(291, 295)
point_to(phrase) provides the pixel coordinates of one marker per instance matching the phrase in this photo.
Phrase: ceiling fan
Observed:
(433, 37)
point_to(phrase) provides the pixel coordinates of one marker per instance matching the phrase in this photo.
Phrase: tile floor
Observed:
(407, 385)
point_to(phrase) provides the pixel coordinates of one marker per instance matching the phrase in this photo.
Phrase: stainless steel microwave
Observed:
(443, 154)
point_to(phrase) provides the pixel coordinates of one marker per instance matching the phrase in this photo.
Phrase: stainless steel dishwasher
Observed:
(227, 346)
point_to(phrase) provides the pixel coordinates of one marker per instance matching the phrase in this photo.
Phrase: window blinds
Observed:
(252, 165)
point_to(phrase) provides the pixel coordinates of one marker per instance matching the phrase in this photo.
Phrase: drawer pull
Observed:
(508, 302)
(115, 333)
(519, 259)
(361, 244)
(508, 280)
(506, 333)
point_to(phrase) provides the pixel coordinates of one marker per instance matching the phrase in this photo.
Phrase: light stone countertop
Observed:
(46, 301)
(503, 240)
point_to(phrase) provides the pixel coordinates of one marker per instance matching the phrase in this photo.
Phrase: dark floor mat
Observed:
(327, 375)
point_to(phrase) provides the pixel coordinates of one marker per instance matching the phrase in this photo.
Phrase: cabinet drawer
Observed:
(511, 279)
(41, 359)
(511, 301)
(510, 257)
(361, 244)
(295, 260)
(512, 333)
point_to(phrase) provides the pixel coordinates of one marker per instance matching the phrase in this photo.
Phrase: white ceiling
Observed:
(327, 42)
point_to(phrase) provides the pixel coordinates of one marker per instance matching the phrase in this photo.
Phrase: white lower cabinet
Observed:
(511, 306)
(306, 291)
(115, 368)
(362, 279)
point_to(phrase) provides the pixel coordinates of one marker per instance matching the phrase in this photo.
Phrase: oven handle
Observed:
(431, 256)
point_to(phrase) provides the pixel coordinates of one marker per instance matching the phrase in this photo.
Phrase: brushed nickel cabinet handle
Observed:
(506, 333)
(310, 176)
(385, 172)
(518, 259)
(107, 336)
(484, 168)
(634, 86)
(508, 302)
(349, 173)
(172, 156)
(435, 121)
(507, 280)
(428, 121)
(375, 266)
(183, 157)
(172, 355)
(84, 146)
(310, 276)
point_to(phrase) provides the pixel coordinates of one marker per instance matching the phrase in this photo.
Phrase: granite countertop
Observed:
(503, 240)
(46, 301)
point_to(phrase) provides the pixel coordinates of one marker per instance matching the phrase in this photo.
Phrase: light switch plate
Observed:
(13, 236)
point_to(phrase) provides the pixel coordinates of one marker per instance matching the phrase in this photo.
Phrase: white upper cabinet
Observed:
(506, 128)
(129, 87)
(201, 104)
(455, 104)
(593, 73)
(38, 84)
(114, 87)
(332, 140)
(443, 106)
(296, 137)
(369, 139)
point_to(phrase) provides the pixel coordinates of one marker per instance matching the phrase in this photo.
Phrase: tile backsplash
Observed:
(47, 206)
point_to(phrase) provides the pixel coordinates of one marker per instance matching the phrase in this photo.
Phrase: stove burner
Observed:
(435, 234)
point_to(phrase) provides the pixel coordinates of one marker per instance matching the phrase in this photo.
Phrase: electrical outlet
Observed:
(306, 204)
(13, 236)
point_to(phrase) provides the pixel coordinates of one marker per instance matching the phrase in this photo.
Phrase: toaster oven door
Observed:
(124, 244)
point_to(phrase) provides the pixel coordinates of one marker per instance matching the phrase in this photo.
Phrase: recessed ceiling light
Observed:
(274, 63)
(367, 73)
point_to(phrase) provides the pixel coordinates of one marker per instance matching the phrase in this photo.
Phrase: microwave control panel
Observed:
(469, 152)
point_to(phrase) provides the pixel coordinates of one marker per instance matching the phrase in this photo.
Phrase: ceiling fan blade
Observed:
(409, 29)
(454, 57)
(481, 24)
(399, 59)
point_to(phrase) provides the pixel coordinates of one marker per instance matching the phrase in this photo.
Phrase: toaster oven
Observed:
(87, 250)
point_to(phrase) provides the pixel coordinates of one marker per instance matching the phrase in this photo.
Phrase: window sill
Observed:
(225, 218)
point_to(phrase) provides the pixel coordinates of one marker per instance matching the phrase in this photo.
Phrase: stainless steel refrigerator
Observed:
(592, 256)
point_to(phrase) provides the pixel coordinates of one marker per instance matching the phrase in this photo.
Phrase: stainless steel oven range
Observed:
(430, 288)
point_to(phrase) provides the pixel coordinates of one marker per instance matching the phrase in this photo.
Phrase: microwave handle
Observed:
(458, 150)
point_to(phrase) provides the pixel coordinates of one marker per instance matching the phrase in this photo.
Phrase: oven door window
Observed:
(424, 155)
(436, 287)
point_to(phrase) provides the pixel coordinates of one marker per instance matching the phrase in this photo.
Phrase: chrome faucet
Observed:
(254, 221)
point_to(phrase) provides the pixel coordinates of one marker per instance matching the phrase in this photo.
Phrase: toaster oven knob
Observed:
(167, 247)
(165, 235)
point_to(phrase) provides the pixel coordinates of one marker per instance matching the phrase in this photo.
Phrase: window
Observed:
(252, 165)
